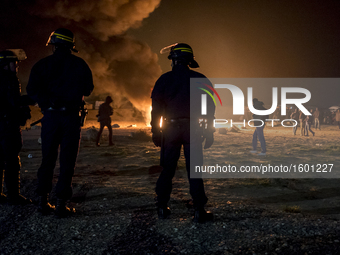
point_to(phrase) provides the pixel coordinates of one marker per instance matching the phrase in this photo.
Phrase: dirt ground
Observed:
(114, 199)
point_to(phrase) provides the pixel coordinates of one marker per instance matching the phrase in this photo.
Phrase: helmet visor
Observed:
(167, 49)
(20, 53)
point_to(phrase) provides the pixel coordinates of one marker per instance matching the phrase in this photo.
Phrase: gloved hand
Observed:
(209, 140)
(157, 138)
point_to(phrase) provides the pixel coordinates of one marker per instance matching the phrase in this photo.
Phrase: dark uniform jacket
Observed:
(12, 107)
(60, 80)
(171, 97)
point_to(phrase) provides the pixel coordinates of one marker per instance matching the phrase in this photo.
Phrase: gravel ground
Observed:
(116, 213)
(113, 221)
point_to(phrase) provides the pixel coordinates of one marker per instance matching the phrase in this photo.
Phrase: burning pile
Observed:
(123, 67)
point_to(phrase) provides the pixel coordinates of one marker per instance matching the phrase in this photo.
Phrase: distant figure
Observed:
(276, 113)
(171, 99)
(248, 114)
(333, 118)
(258, 133)
(316, 116)
(302, 123)
(288, 112)
(12, 116)
(295, 116)
(104, 113)
(337, 117)
(327, 117)
(309, 122)
(59, 83)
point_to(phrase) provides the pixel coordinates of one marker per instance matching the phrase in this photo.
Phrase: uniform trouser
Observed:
(105, 123)
(258, 133)
(174, 137)
(10, 146)
(59, 129)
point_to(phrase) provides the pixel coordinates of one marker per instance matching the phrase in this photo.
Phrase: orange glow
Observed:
(161, 122)
(148, 117)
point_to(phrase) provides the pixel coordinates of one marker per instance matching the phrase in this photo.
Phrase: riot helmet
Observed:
(11, 55)
(180, 53)
(62, 37)
(108, 100)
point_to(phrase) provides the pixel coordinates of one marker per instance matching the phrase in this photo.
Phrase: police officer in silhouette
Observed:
(13, 113)
(59, 83)
(171, 102)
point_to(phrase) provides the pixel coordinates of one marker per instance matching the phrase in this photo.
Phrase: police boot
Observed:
(201, 216)
(12, 181)
(163, 212)
(61, 210)
(44, 207)
(14, 197)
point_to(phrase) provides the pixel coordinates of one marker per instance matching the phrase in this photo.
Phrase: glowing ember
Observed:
(161, 122)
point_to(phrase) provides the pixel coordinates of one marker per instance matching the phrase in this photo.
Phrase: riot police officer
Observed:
(171, 102)
(59, 83)
(13, 114)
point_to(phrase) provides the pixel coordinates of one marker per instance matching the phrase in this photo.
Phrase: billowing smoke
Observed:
(122, 67)
(102, 18)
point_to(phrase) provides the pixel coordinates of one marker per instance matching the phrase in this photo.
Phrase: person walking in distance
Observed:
(316, 116)
(302, 123)
(295, 116)
(105, 111)
(258, 133)
(309, 121)
(337, 117)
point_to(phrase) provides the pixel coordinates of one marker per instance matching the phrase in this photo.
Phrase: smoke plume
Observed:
(122, 67)
(103, 18)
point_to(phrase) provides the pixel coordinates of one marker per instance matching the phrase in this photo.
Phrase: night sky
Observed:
(235, 39)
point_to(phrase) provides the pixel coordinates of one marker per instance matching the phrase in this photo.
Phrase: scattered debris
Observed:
(91, 134)
(115, 126)
(141, 135)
